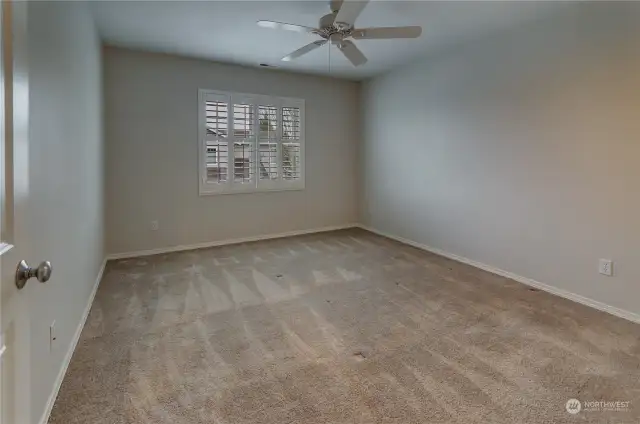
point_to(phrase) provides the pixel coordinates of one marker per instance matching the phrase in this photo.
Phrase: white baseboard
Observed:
(631, 316)
(74, 342)
(126, 255)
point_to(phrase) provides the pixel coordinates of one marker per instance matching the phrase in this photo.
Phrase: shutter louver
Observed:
(291, 149)
(217, 148)
(217, 161)
(268, 116)
(244, 141)
(217, 118)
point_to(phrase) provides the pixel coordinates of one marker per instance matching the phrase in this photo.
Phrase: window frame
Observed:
(206, 187)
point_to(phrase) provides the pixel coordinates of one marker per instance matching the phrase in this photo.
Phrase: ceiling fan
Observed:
(337, 28)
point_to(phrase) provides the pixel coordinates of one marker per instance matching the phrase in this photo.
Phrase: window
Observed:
(250, 143)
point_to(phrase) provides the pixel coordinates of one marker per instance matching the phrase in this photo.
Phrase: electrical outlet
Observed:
(605, 267)
(155, 225)
(53, 337)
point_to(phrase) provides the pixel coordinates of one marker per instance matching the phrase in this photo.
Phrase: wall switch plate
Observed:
(155, 224)
(605, 267)
(53, 337)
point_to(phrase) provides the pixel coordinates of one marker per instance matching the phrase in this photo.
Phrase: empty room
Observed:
(320, 212)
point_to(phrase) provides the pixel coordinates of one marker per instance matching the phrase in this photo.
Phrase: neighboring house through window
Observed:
(260, 137)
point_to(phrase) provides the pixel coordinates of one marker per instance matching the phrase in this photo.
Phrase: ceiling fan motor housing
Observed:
(331, 30)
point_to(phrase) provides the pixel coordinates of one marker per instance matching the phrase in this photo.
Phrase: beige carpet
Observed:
(340, 327)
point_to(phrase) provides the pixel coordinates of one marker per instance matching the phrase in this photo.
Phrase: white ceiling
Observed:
(226, 31)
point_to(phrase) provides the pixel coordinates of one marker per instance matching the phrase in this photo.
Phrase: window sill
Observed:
(205, 191)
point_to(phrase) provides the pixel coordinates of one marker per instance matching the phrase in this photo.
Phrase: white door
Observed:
(14, 243)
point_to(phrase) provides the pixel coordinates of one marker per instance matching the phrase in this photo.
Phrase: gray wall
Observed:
(152, 153)
(65, 178)
(520, 150)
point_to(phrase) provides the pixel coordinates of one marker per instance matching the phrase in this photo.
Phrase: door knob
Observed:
(24, 272)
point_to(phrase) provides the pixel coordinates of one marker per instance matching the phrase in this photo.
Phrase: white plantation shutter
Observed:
(216, 142)
(250, 143)
(268, 141)
(244, 136)
(291, 143)
(217, 118)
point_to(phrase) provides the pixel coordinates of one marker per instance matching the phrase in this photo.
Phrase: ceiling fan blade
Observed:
(350, 10)
(334, 5)
(285, 26)
(387, 32)
(304, 50)
(352, 53)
